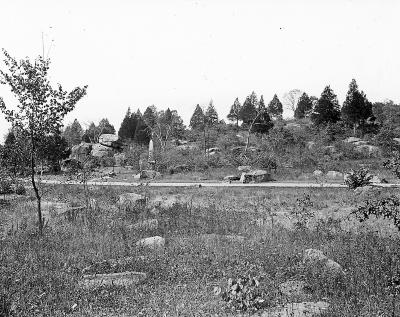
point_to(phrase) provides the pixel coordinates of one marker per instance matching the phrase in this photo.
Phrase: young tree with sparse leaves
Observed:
(40, 107)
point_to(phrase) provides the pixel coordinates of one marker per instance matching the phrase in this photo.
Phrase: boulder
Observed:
(310, 145)
(93, 281)
(318, 173)
(80, 151)
(369, 150)
(119, 159)
(334, 175)
(131, 201)
(352, 139)
(330, 149)
(302, 309)
(186, 147)
(257, 176)
(180, 169)
(314, 257)
(230, 178)
(150, 174)
(397, 140)
(377, 180)
(244, 168)
(213, 150)
(363, 190)
(360, 143)
(108, 139)
(155, 243)
(99, 150)
(293, 288)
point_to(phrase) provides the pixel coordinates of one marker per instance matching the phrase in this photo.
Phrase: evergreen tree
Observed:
(211, 115)
(128, 126)
(15, 155)
(197, 120)
(263, 123)
(105, 127)
(304, 106)
(261, 104)
(356, 108)
(249, 109)
(91, 134)
(326, 109)
(142, 135)
(275, 108)
(73, 133)
(149, 116)
(234, 114)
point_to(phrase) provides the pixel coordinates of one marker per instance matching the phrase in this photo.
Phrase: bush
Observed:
(394, 164)
(358, 178)
(20, 189)
(5, 186)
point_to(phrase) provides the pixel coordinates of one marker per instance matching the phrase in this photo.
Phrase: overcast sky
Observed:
(182, 52)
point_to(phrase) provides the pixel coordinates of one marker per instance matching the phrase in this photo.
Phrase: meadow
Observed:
(211, 235)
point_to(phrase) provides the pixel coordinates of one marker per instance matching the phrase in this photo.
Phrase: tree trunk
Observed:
(247, 140)
(38, 197)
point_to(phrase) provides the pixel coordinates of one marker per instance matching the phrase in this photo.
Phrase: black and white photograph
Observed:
(176, 158)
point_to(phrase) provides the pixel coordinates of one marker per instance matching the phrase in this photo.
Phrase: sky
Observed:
(180, 53)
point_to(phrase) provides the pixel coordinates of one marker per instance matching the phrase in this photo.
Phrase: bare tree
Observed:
(291, 98)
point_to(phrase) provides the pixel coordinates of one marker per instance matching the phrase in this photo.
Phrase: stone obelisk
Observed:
(151, 160)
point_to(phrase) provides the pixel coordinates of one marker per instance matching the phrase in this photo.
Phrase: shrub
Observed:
(358, 178)
(5, 186)
(20, 189)
(394, 164)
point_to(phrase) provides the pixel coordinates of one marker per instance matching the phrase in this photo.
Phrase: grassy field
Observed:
(268, 229)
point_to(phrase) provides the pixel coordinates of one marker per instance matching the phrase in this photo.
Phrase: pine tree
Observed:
(326, 109)
(105, 127)
(73, 133)
(356, 108)
(142, 135)
(263, 123)
(149, 116)
(275, 108)
(211, 115)
(197, 120)
(234, 114)
(128, 126)
(304, 106)
(249, 109)
(261, 104)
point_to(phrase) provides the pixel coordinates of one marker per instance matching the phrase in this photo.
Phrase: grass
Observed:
(39, 274)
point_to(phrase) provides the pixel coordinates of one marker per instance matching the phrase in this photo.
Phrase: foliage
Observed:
(234, 113)
(393, 164)
(249, 109)
(356, 108)
(275, 108)
(302, 212)
(304, 106)
(326, 109)
(244, 294)
(387, 208)
(128, 126)
(73, 133)
(211, 115)
(142, 135)
(197, 119)
(358, 178)
(52, 149)
(105, 127)
(15, 153)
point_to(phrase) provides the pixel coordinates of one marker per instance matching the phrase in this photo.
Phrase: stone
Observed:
(244, 168)
(312, 257)
(131, 201)
(363, 190)
(108, 139)
(213, 150)
(99, 150)
(376, 180)
(318, 173)
(360, 143)
(180, 169)
(310, 145)
(80, 151)
(330, 149)
(369, 150)
(293, 288)
(257, 176)
(397, 140)
(148, 224)
(302, 309)
(93, 281)
(151, 174)
(334, 175)
(154, 243)
(231, 178)
(120, 159)
(352, 139)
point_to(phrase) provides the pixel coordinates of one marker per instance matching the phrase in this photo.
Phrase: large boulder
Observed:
(257, 176)
(80, 151)
(154, 243)
(230, 178)
(108, 139)
(148, 224)
(318, 173)
(99, 150)
(213, 150)
(244, 168)
(120, 159)
(334, 175)
(148, 174)
(352, 139)
(313, 257)
(131, 201)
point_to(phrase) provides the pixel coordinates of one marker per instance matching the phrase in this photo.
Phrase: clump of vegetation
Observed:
(393, 164)
(387, 208)
(302, 212)
(358, 178)
(244, 294)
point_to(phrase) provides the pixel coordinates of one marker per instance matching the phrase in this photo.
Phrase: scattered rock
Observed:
(293, 288)
(180, 169)
(310, 145)
(334, 175)
(352, 139)
(131, 201)
(360, 143)
(148, 224)
(369, 150)
(257, 176)
(318, 173)
(313, 256)
(149, 174)
(303, 309)
(120, 159)
(231, 178)
(155, 243)
(330, 149)
(213, 150)
(363, 190)
(244, 168)
(397, 140)
(114, 279)
(186, 147)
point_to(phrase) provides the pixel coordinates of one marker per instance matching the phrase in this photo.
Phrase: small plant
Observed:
(302, 213)
(388, 208)
(20, 189)
(358, 178)
(243, 294)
